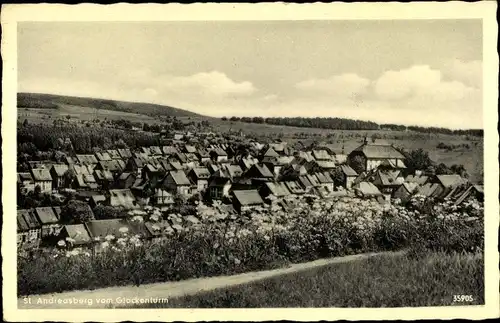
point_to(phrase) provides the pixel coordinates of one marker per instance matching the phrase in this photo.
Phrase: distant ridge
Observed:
(52, 101)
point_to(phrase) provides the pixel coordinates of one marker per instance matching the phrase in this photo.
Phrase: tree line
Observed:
(348, 124)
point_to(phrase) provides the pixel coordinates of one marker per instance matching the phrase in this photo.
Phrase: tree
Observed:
(224, 118)
(338, 177)
(460, 170)
(68, 117)
(76, 212)
(442, 169)
(103, 212)
(417, 160)
(358, 164)
(25, 123)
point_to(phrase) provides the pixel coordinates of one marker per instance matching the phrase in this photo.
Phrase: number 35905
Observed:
(462, 298)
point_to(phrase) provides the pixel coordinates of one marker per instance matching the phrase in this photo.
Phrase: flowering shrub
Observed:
(215, 242)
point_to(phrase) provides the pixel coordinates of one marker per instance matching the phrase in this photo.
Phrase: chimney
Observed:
(365, 141)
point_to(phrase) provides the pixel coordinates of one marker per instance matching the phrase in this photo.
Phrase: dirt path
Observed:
(124, 295)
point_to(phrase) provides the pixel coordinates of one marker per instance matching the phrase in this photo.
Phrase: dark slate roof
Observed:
(41, 174)
(248, 197)
(46, 215)
(78, 232)
(201, 172)
(219, 181)
(379, 151)
(348, 171)
(179, 178)
(25, 177)
(60, 169)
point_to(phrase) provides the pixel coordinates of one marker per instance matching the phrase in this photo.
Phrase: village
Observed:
(188, 170)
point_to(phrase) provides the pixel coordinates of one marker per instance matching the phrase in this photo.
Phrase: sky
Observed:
(414, 72)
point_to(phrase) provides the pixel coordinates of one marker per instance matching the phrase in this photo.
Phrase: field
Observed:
(385, 281)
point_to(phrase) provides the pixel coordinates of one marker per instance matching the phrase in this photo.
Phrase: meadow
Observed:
(212, 242)
(433, 279)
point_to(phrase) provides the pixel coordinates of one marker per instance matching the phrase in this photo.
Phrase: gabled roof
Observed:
(326, 164)
(77, 232)
(304, 181)
(428, 189)
(201, 172)
(24, 177)
(86, 159)
(348, 171)
(313, 179)
(80, 180)
(155, 150)
(450, 180)
(125, 153)
(419, 179)
(30, 218)
(203, 153)
(388, 178)
(103, 174)
(270, 152)
(169, 150)
(103, 156)
(122, 197)
(234, 170)
(261, 171)
(21, 222)
(294, 187)
(98, 198)
(190, 149)
(367, 189)
(60, 169)
(321, 155)
(218, 152)
(46, 215)
(179, 177)
(248, 197)
(277, 189)
(41, 174)
(114, 154)
(89, 179)
(219, 181)
(80, 169)
(379, 151)
(410, 187)
(324, 178)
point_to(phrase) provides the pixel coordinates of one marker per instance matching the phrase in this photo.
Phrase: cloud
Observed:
(212, 83)
(344, 85)
(421, 82)
(470, 73)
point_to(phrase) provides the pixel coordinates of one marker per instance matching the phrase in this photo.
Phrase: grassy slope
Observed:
(375, 282)
(32, 100)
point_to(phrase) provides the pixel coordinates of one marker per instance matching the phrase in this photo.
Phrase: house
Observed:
(162, 199)
(349, 176)
(368, 190)
(321, 155)
(42, 179)
(57, 172)
(387, 180)
(79, 183)
(294, 187)
(218, 155)
(430, 190)
(169, 150)
(326, 164)
(114, 166)
(340, 159)
(219, 188)
(259, 172)
(122, 198)
(152, 173)
(78, 233)
(313, 180)
(102, 156)
(176, 182)
(155, 151)
(189, 149)
(247, 162)
(245, 200)
(68, 160)
(99, 229)
(29, 229)
(48, 221)
(91, 182)
(278, 189)
(114, 154)
(419, 179)
(87, 159)
(280, 148)
(136, 165)
(104, 178)
(448, 181)
(305, 183)
(199, 176)
(96, 200)
(473, 191)
(268, 152)
(234, 171)
(293, 171)
(81, 169)
(26, 182)
(369, 156)
(126, 180)
(275, 164)
(405, 190)
(203, 155)
(325, 180)
(125, 153)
